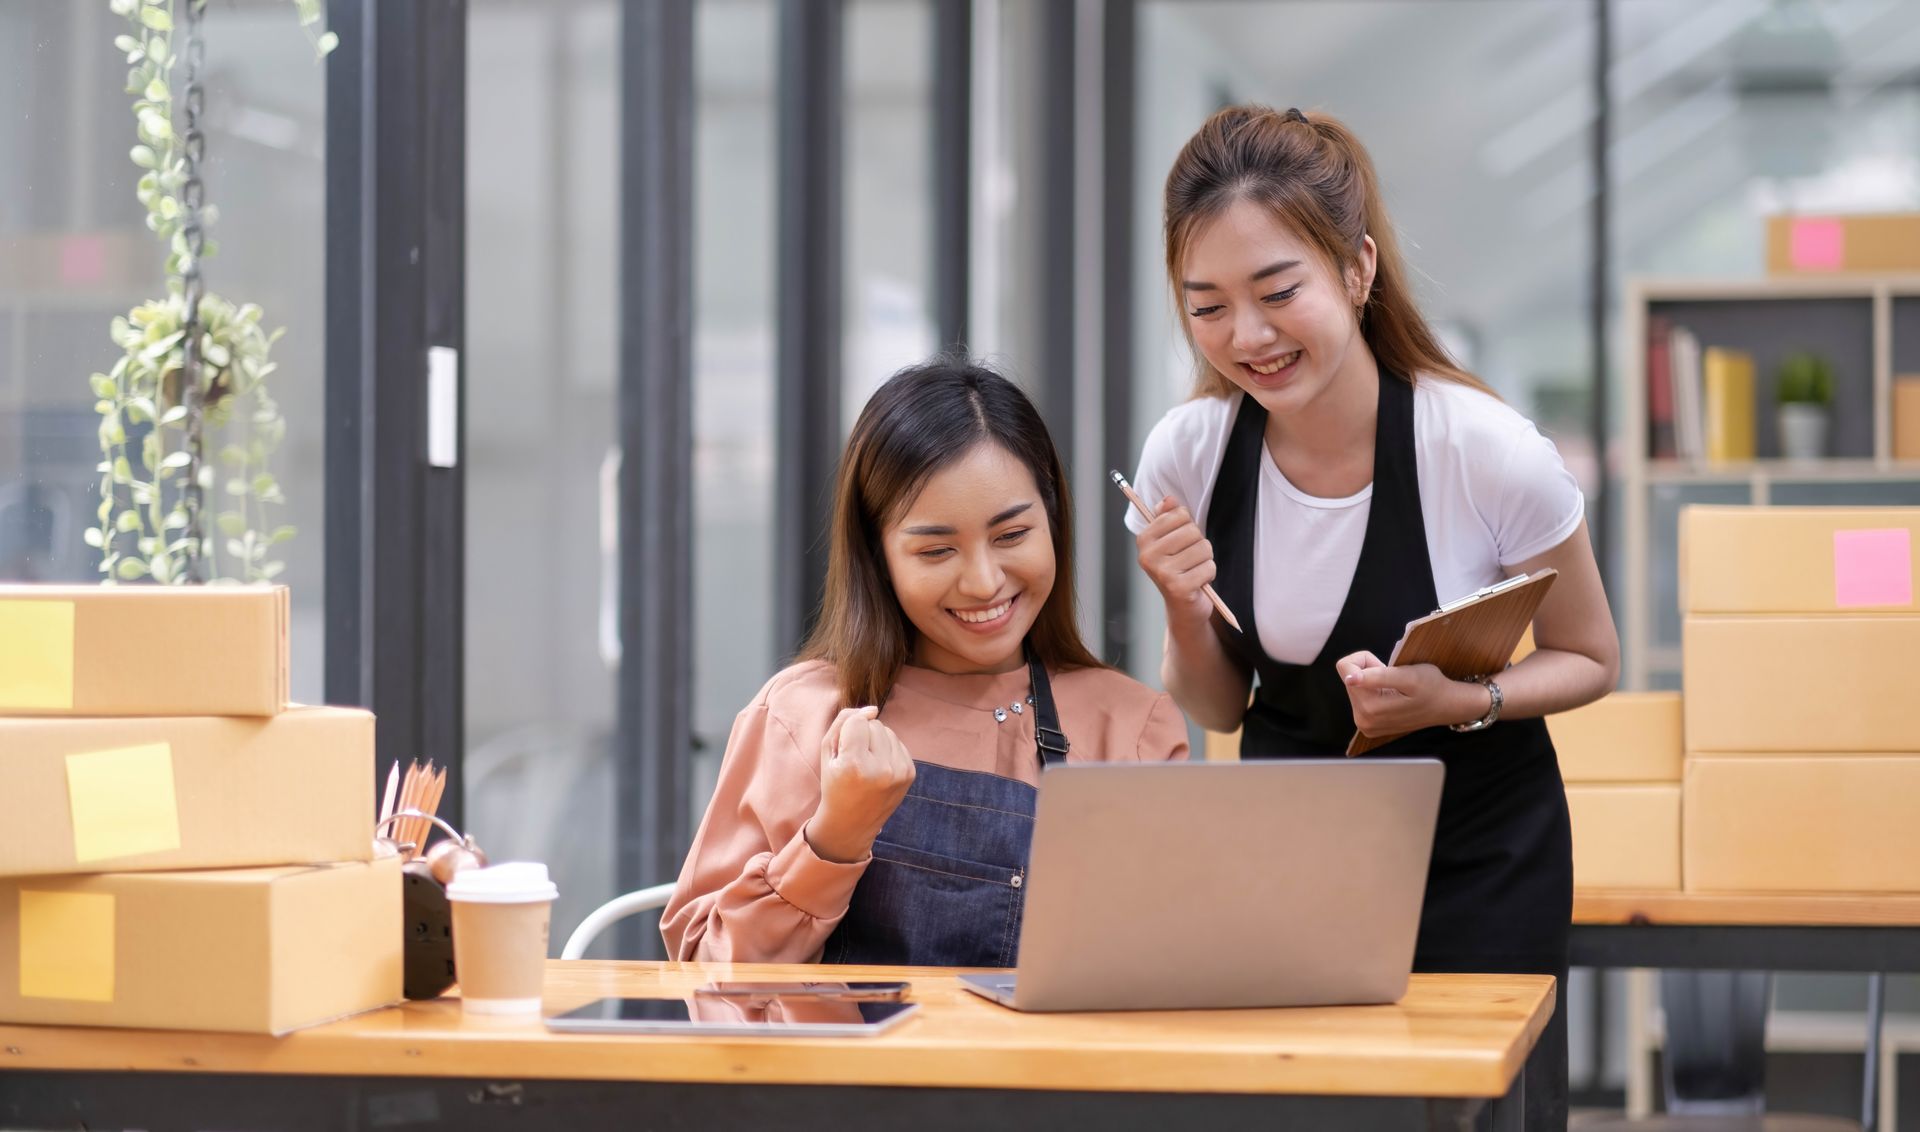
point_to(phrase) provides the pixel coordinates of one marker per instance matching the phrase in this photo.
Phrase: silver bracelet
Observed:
(1493, 711)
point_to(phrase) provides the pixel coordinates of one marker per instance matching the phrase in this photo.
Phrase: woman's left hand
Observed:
(1393, 701)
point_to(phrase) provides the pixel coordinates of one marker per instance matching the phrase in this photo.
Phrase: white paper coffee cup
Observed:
(500, 923)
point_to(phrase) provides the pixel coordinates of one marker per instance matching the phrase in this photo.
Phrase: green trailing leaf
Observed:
(142, 513)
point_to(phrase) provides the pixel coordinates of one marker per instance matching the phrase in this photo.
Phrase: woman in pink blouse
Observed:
(876, 800)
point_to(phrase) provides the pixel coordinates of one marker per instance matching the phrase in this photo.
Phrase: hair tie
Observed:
(1293, 115)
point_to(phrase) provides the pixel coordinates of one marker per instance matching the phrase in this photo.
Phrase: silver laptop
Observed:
(1191, 885)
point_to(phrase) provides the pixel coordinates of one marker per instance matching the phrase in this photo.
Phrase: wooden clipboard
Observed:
(1473, 636)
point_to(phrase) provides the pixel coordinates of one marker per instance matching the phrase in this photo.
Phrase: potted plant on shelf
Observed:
(1804, 390)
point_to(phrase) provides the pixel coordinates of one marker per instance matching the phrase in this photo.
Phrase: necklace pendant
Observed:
(1018, 708)
(999, 715)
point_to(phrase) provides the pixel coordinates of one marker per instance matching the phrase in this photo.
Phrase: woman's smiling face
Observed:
(971, 560)
(1267, 311)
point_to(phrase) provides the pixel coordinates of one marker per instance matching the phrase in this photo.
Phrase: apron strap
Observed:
(1046, 721)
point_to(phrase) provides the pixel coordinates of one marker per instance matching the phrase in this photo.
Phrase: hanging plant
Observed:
(193, 367)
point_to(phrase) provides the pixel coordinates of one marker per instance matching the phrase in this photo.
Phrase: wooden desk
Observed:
(1452, 1046)
(1861, 932)
(1793, 932)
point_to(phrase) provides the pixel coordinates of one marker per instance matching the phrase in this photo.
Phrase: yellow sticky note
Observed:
(36, 655)
(66, 945)
(122, 802)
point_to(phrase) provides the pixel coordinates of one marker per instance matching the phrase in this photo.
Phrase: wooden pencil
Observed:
(1146, 513)
(393, 784)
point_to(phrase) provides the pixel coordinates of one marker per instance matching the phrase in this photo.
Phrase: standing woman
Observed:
(1337, 475)
(876, 801)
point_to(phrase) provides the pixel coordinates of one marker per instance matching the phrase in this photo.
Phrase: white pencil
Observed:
(1146, 513)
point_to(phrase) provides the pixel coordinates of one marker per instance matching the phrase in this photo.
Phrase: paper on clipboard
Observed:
(1473, 636)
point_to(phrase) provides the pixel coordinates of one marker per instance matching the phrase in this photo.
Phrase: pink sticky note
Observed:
(1816, 245)
(1873, 567)
(83, 259)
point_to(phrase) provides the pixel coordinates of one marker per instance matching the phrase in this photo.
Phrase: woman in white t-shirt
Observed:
(1335, 476)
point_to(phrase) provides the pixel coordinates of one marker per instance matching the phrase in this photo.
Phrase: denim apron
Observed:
(946, 886)
(1499, 896)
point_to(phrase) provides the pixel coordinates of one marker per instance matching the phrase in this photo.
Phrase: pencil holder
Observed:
(428, 950)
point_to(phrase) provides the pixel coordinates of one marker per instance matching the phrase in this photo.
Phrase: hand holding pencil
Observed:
(1178, 557)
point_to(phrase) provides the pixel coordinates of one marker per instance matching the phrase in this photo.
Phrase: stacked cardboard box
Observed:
(179, 848)
(1802, 722)
(1621, 759)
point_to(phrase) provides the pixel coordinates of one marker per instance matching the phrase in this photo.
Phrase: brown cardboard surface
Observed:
(253, 950)
(1788, 560)
(1888, 241)
(143, 650)
(1818, 823)
(1906, 417)
(1626, 836)
(86, 795)
(1623, 737)
(1801, 684)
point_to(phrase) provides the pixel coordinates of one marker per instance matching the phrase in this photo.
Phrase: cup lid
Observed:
(515, 882)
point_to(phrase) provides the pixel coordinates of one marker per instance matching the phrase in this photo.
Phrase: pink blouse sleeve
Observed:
(1164, 738)
(752, 889)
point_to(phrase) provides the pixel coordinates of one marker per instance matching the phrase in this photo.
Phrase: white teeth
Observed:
(981, 616)
(1277, 366)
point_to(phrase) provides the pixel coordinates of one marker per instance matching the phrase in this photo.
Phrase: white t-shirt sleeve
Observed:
(1181, 457)
(1539, 502)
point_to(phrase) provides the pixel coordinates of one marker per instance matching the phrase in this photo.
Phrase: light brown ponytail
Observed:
(1317, 178)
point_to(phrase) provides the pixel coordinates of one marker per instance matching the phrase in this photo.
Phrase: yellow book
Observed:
(1728, 376)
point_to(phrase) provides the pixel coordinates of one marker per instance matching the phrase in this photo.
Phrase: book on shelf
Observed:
(1683, 354)
(1728, 383)
(1660, 424)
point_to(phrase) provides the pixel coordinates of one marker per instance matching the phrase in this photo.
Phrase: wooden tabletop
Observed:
(1816, 909)
(1451, 1036)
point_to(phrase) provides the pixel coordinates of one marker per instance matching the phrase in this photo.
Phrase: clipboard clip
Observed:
(1483, 592)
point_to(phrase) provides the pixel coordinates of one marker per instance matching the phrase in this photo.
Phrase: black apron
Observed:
(1499, 895)
(947, 883)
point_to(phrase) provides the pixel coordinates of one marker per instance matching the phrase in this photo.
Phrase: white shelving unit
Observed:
(1889, 317)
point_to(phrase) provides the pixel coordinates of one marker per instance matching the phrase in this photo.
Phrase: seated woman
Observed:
(876, 800)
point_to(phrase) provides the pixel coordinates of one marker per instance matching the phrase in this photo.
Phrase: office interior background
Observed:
(676, 244)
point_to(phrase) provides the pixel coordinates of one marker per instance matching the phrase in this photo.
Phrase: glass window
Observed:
(888, 99)
(733, 372)
(543, 83)
(75, 252)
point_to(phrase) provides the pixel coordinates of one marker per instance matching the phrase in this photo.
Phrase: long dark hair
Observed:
(1313, 174)
(919, 421)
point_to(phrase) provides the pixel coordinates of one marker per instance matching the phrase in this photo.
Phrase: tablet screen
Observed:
(719, 1011)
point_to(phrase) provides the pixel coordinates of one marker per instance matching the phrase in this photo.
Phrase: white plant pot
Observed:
(1803, 431)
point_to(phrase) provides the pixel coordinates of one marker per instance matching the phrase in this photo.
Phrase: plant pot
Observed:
(1803, 431)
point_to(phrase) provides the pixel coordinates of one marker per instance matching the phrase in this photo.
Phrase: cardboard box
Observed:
(1906, 418)
(254, 950)
(1802, 823)
(1822, 245)
(96, 795)
(143, 650)
(1801, 683)
(1626, 837)
(1798, 559)
(1624, 737)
